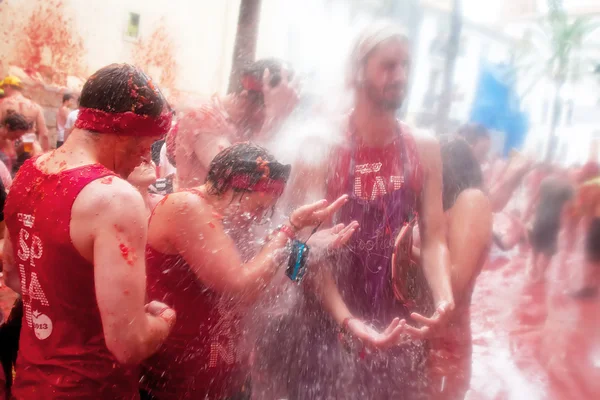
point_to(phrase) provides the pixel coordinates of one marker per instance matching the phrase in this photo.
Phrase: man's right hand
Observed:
(162, 311)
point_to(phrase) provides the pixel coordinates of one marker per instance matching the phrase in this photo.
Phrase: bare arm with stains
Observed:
(189, 226)
(432, 228)
(109, 228)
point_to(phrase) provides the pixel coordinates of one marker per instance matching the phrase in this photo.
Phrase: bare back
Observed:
(22, 105)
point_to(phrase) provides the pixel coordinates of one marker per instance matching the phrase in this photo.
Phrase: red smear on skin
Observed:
(211, 224)
(126, 254)
(126, 292)
(47, 42)
(107, 180)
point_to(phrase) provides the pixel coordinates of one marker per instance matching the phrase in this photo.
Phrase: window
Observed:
(133, 25)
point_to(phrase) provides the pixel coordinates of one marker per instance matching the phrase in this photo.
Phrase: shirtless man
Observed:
(68, 103)
(74, 249)
(263, 100)
(16, 102)
(389, 175)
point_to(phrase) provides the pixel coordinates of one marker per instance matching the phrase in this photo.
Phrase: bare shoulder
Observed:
(180, 205)
(426, 142)
(108, 197)
(475, 200)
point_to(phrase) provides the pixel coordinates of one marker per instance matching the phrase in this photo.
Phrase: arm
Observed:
(324, 287)
(469, 236)
(215, 259)
(119, 239)
(11, 275)
(206, 131)
(42, 130)
(432, 226)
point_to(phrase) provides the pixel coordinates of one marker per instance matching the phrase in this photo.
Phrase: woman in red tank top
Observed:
(194, 264)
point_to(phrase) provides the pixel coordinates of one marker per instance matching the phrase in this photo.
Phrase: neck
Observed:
(220, 203)
(375, 126)
(82, 148)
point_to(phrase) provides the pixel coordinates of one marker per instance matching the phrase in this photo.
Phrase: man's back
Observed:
(62, 346)
(22, 105)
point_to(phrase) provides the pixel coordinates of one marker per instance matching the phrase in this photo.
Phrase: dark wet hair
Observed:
(243, 159)
(119, 88)
(461, 170)
(67, 97)
(472, 133)
(15, 121)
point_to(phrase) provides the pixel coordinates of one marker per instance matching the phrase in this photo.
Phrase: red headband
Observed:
(126, 124)
(249, 82)
(264, 185)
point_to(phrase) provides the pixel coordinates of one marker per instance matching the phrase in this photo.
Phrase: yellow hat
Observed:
(12, 81)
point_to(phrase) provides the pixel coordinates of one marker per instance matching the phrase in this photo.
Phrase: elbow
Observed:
(126, 350)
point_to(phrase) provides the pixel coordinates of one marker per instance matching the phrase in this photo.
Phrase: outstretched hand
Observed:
(333, 238)
(315, 213)
(370, 337)
(438, 319)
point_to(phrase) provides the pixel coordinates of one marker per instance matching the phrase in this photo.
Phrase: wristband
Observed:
(289, 232)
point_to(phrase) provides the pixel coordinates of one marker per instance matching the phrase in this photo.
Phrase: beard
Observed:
(378, 97)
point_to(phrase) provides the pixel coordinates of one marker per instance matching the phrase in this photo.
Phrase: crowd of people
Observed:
(157, 257)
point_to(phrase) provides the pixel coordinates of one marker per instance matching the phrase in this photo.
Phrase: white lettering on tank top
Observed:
(379, 186)
(222, 332)
(31, 289)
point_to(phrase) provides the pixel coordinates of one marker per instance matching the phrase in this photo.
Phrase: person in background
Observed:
(555, 191)
(68, 103)
(264, 99)
(12, 128)
(142, 177)
(469, 239)
(70, 123)
(33, 112)
(194, 264)
(66, 222)
(503, 179)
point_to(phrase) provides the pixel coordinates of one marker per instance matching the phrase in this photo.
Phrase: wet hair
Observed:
(118, 88)
(472, 133)
(67, 97)
(243, 159)
(15, 122)
(461, 170)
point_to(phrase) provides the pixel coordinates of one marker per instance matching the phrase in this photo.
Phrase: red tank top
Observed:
(377, 171)
(62, 352)
(199, 358)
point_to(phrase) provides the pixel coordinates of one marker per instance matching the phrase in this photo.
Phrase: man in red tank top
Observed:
(390, 176)
(75, 248)
(264, 98)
